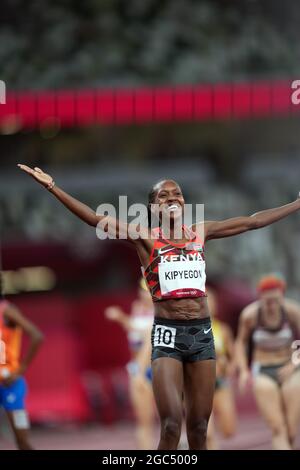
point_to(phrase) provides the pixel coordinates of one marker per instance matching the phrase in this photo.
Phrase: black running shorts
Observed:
(184, 340)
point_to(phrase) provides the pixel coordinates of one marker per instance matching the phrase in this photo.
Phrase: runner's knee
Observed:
(197, 429)
(171, 428)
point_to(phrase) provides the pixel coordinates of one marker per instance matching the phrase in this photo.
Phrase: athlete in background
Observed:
(138, 327)
(272, 324)
(224, 412)
(12, 382)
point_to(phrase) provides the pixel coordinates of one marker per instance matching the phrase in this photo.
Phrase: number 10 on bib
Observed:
(164, 336)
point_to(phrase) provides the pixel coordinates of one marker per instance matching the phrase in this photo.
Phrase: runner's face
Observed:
(170, 200)
(271, 300)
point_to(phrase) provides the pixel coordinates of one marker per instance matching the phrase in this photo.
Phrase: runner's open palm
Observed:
(37, 174)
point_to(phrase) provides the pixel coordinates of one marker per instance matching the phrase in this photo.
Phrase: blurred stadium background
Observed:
(108, 97)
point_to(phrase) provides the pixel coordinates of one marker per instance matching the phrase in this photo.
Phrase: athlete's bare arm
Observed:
(84, 212)
(143, 358)
(293, 311)
(246, 323)
(15, 318)
(229, 342)
(117, 315)
(236, 225)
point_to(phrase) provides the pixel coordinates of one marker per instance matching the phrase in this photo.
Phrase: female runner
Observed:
(224, 411)
(183, 355)
(13, 386)
(137, 325)
(272, 323)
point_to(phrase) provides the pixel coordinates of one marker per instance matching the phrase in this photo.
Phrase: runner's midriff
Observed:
(182, 309)
(271, 357)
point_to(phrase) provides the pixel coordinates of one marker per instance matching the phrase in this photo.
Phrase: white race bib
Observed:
(177, 275)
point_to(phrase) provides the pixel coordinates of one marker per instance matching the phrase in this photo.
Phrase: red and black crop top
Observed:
(176, 271)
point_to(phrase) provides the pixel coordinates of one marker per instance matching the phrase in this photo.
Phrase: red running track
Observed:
(252, 434)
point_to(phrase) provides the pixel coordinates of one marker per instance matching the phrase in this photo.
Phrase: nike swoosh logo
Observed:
(206, 331)
(161, 251)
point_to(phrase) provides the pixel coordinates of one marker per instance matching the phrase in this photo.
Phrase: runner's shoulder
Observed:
(292, 307)
(250, 312)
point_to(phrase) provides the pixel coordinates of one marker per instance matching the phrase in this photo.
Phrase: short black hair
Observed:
(154, 189)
